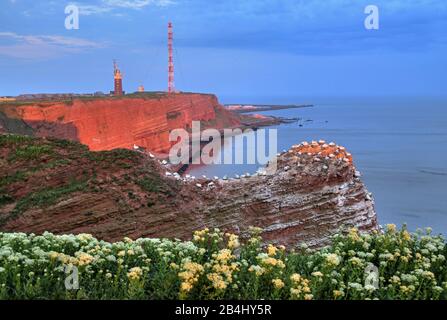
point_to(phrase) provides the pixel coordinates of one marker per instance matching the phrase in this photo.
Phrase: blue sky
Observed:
(234, 48)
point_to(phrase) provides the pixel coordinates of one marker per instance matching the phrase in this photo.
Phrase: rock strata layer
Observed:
(314, 192)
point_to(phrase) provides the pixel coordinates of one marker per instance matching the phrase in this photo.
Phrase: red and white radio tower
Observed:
(171, 88)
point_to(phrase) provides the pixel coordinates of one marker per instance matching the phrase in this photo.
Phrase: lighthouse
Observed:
(118, 78)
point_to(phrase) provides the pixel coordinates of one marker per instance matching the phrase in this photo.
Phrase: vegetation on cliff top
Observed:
(221, 266)
(69, 100)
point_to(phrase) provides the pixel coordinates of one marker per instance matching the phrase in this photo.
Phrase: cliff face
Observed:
(106, 124)
(315, 191)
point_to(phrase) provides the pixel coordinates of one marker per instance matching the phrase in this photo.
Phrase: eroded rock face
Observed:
(314, 192)
(106, 124)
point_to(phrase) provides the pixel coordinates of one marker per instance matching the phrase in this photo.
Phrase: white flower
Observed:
(370, 288)
(438, 289)
(333, 259)
(356, 286)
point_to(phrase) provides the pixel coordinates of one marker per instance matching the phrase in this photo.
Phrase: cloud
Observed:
(137, 4)
(43, 46)
(87, 10)
(107, 6)
(312, 26)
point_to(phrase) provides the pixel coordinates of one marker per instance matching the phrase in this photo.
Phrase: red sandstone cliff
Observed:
(110, 123)
(54, 185)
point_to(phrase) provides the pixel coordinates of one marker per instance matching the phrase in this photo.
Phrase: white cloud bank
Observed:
(107, 6)
(43, 46)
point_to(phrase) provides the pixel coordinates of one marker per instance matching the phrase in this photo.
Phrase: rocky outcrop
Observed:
(314, 192)
(110, 123)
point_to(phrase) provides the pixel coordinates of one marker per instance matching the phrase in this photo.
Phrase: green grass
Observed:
(30, 152)
(48, 196)
(55, 163)
(149, 185)
(15, 177)
(43, 198)
(8, 139)
(5, 198)
(113, 156)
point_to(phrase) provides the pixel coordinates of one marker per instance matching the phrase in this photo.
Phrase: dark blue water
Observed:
(399, 145)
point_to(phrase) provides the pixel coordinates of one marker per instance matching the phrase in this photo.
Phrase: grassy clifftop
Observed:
(36, 173)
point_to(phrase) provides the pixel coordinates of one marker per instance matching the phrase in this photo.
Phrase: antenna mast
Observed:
(171, 88)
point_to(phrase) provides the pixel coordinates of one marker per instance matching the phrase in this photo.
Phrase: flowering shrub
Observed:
(215, 265)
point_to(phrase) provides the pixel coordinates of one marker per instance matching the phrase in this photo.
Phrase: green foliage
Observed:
(5, 198)
(113, 156)
(66, 144)
(54, 164)
(47, 196)
(149, 184)
(8, 139)
(15, 177)
(31, 152)
(215, 265)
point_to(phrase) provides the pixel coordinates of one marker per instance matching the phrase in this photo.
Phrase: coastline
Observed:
(249, 108)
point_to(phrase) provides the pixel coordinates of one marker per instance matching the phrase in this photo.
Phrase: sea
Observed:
(398, 144)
